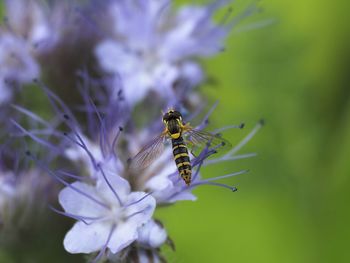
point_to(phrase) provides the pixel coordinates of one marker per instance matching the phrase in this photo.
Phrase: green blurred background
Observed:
(293, 206)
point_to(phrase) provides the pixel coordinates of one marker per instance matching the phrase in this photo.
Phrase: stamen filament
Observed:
(232, 158)
(54, 176)
(245, 139)
(76, 217)
(103, 249)
(109, 185)
(142, 198)
(225, 176)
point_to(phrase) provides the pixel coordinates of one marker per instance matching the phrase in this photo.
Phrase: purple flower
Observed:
(109, 214)
(22, 195)
(152, 235)
(39, 25)
(17, 65)
(153, 48)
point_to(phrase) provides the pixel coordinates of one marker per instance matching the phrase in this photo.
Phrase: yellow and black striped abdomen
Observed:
(182, 159)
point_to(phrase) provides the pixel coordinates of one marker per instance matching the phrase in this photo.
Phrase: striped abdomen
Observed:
(182, 159)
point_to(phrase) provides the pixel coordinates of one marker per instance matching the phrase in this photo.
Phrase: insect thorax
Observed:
(174, 128)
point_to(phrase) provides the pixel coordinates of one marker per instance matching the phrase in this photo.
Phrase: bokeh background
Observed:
(293, 205)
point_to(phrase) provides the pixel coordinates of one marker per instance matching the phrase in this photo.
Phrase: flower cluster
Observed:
(150, 47)
(112, 204)
(22, 189)
(30, 32)
(125, 58)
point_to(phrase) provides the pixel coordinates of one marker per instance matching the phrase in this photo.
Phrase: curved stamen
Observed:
(109, 185)
(55, 101)
(237, 19)
(253, 26)
(77, 177)
(30, 114)
(82, 144)
(232, 188)
(40, 132)
(225, 176)
(233, 158)
(226, 16)
(103, 132)
(115, 139)
(139, 200)
(235, 126)
(205, 120)
(76, 217)
(245, 139)
(57, 178)
(35, 138)
(197, 171)
(103, 249)
(138, 212)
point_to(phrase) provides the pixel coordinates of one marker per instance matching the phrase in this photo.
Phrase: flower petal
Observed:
(124, 234)
(78, 204)
(110, 184)
(84, 238)
(142, 208)
(182, 196)
(152, 234)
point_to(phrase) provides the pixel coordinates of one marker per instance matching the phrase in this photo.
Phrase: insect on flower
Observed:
(182, 137)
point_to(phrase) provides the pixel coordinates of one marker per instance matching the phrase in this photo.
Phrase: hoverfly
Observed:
(182, 135)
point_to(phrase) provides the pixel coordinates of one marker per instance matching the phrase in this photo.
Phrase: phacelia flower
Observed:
(17, 66)
(152, 234)
(22, 189)
(109, 214)
(30, 30)
(41, 26)
(145, 50)
(154, 48)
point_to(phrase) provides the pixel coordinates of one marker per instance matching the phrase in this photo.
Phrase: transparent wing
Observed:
(198, 140)
(148, 153)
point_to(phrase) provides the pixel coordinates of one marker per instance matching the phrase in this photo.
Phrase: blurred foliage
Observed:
(293, 204)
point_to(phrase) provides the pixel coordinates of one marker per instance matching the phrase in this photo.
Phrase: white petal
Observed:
(142, 210)
(192, 72)
(136, 85)
(111, 186)
(158, 183)
(152, 234)
(78, 204)
(124, 234)
(84, 238)
(182, 196)
(114, 58)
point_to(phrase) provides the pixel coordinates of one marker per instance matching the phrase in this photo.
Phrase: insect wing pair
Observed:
(196, 141)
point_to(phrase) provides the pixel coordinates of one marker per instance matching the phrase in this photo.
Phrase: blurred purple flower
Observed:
(17, 66)
(39, 24)
(30, 30)
(152, 234)
(23, 190)
(153, 48)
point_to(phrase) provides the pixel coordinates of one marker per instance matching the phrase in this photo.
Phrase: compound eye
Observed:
(166, 117)
(177, 114)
